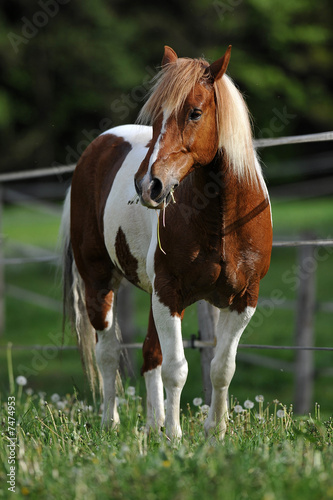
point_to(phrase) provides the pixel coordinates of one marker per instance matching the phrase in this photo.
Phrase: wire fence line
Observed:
(296, 139)
(56, 257)
(193, 343)
(60, 170)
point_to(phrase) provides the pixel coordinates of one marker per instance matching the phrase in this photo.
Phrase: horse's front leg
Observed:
(229, 329)
(151, 370)
(174, 364)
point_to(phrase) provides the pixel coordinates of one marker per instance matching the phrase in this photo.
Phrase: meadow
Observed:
(269, 453)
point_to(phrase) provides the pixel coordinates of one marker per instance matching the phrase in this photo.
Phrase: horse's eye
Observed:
(195, 115)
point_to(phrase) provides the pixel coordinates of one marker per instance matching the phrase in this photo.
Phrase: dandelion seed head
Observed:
(280, 413)
(248, 404)
(130, 390)
(197, 401)
(21, 380)
(260, 398)
(204, 408)
(55, 398)
(238, 409)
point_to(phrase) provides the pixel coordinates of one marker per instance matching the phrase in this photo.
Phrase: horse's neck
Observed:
(224, 198)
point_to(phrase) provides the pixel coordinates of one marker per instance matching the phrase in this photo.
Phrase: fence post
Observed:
(207, 320)
(304, 335)
(125, 311)
(2, 274)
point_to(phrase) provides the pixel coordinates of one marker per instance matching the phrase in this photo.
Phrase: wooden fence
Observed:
(303, 367)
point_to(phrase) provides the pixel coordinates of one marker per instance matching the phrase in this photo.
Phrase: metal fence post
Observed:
(304, 335)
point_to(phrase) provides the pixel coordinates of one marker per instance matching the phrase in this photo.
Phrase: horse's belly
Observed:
(128, 225)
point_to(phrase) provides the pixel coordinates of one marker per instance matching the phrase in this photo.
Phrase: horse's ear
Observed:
(217, 69)
(169, 56)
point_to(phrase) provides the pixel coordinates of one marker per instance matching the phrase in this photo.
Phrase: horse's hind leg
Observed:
(229, 329)
(151, 370)
(101, 307)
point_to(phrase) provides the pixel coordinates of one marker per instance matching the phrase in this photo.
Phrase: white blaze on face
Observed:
(147, 178)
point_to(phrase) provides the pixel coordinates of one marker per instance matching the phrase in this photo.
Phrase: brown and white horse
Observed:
(209, 235)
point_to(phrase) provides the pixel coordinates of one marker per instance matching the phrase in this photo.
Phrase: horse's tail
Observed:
(74, 307)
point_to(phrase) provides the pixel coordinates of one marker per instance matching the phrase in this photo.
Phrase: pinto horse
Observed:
(207, 235)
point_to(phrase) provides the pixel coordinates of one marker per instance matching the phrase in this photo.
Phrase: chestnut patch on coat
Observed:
(91, 185)
(151, 349)
(127, 261)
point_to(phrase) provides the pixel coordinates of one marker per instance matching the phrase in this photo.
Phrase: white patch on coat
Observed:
(156, 150)
(155, 398)
(137, 222)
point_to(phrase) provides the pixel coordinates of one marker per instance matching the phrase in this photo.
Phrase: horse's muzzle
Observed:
(153, 194)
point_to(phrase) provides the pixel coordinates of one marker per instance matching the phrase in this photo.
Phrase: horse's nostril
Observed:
(156, 187)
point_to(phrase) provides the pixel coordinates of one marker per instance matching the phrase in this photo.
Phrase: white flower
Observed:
(238, 409)
(21, 380)
(197, 401)
(248, 404)
(29, 391)
(61, 405)
(204, 408)
(260, 398)
(55, 398)
(130, 390)
(120, 401)
(280, 413)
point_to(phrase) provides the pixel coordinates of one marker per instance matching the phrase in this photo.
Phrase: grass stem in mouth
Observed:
(172, 196)
(158, 232)
(164, 207)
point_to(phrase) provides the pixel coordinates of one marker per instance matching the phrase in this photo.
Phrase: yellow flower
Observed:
(166, 463)
(25, 491)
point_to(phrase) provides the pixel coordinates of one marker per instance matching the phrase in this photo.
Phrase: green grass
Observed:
(267, 454)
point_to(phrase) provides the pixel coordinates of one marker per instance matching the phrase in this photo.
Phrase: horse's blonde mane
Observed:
(173, 84)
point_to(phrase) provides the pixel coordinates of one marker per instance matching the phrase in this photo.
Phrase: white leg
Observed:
(107, 357)
(228, 333)
(174, 364)
(155, 398)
